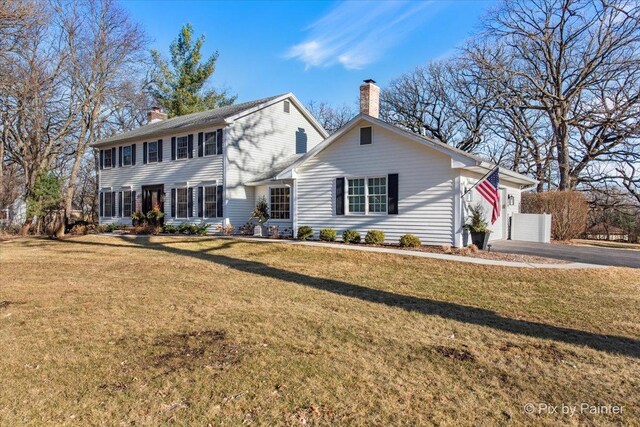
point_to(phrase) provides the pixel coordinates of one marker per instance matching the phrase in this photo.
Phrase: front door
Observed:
(152, 196)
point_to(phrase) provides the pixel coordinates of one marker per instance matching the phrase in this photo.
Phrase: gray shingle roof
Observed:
(276, 168)
(186, 121)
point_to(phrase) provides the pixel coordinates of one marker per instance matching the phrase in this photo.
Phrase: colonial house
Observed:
(367, 175)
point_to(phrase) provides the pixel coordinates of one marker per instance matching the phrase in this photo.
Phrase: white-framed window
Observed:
(126, 204)
(367, 195)
(107, 207)
(182, 147)
(366, 136)
(356, 195)
(182, 202)
(126, 156)
(280, 198)
(210, 144)
(287, 106)
(152, 152)
(210, 202)
(108, 159)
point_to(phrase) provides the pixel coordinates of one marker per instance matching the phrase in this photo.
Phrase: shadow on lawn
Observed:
(458, 312)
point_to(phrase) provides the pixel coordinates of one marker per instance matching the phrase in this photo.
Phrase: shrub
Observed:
(568, 209)
(261, 211)
(446, 249)
(351, 236)
(410, 241)
(477, 220)
(305, 232)
(170, 229)
(328, 234)
(374, 237)
(473, 248)
(101, 229)
(225, 230)
(79, 229)
(201, 230)
(246, 229)
(155, 215)
(273, 231)
(146, 229)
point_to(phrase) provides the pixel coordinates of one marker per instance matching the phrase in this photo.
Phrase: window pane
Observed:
(107, 204)
(152, 149)
(182, 202)
(183, 147)
(210, 202)
(126, 204)
(107, 158)
(280, 203)
(377, 194)
(356, 195)
(126, 155)
(209, 143)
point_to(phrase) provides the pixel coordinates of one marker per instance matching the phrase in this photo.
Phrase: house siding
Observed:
(425, 190)
(257, 142)
(193, 171)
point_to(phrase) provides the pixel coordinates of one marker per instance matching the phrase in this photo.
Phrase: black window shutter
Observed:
(113, 203)
(219, 202)
(200, 150)
(133, 202)
(113, 157)
(190, 145)
(339, 196)
(133, 154)
(200, 202)
(219, 141)
(144, 153)
(101, 159)
(120, 203)
(393, 194)
(365, 136)
(173, 148)
(119, 156)
(101, 208)
(190, 203)
(159, 150)
(173, 203)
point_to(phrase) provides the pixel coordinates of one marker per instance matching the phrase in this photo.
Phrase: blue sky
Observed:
(318, 50)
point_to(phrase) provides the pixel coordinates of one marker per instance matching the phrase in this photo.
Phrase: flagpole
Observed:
(480, 180)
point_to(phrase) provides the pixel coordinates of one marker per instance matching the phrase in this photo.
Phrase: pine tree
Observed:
(178, 85)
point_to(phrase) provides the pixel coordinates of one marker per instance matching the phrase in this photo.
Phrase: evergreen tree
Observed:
(179, 85)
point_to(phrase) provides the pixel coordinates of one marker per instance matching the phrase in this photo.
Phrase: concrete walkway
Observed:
(445, 257)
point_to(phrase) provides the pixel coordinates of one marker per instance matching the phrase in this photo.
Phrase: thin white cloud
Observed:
(355, 34)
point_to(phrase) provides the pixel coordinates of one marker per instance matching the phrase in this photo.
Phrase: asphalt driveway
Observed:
(575, 253)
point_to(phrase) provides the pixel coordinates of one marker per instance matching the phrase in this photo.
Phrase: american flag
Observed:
(488, 188)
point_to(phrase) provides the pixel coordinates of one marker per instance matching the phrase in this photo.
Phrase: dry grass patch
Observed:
(161, 330)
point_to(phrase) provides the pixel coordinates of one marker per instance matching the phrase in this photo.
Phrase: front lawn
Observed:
(196, 331)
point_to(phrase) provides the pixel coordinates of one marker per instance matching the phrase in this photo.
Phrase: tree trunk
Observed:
(71, 186)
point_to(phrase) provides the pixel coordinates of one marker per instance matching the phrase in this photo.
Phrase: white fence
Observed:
(531, 227)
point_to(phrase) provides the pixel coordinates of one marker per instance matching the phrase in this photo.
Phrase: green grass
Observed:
(192, 331)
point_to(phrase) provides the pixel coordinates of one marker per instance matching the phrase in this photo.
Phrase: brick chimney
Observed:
(156, 115)
(370, 98)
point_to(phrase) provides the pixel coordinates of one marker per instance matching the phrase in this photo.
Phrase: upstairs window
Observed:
(152, 152)
(210, 144)
(108, 159)
(182, 202)
(365, 136)
(126, 156)
(287, 106)
(301, 141)
(210, 202)
(280, 203)
(182, 145)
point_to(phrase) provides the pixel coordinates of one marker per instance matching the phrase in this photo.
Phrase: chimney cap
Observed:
(370, 81)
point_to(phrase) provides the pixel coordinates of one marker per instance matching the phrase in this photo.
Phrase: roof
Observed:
(218, 115)
(466, 160)
(274, 170)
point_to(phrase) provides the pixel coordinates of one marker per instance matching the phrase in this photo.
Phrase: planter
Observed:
(480, 239)
(257, 230)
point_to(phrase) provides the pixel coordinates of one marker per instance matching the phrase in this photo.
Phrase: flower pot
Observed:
(257, 230)
(480, 239)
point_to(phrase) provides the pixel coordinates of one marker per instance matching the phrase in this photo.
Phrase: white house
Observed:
(368, 175)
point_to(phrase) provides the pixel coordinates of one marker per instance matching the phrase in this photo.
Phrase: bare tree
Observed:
(577, 61)
(330, 118)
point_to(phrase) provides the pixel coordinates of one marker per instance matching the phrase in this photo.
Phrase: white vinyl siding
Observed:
(425, 187)
(255, 144)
